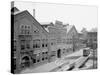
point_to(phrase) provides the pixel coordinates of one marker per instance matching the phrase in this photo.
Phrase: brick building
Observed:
(34, 44)
(92, 40)
(64, 39)
(30, 42)
(88, 39)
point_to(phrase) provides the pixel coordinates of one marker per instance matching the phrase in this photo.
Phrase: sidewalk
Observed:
(52, 65)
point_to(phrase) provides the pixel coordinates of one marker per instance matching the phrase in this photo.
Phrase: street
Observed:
(74, 61)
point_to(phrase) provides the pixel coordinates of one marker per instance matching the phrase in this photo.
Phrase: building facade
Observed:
(92, 40)
(30, 41)
(34, 44)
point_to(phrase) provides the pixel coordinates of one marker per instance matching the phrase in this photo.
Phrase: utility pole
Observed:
(73, 43)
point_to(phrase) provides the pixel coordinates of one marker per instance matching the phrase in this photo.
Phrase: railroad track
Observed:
(75, 65)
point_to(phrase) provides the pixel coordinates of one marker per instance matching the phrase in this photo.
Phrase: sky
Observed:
(79, 15)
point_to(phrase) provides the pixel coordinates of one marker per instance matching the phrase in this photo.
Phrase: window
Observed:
(36, 31)
(22, 31)
(14, 48)
(14, 63)
(22, 26)
(38, 60)
(51, 43)
(42, 58)
(36, 43)
(28, 27)
(22, 42)
(25, 29)
(28, 32)
(53, 53)
(25, 26)
(42, 45)
(46, 52)
(14, 45)
(22, 47)
(46, 45)
(34, 60)
(42, 52)
(46, 58)
(27, 46)
(33, 46)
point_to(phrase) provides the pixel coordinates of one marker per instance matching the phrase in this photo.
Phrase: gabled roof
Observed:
(28, 15)
(14, 9)
(69, 27)
(18, 12)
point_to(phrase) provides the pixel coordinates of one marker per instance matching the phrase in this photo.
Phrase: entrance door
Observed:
(25, 61)
(59, 53)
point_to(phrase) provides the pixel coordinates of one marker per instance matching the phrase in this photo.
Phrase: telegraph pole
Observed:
(73, 42)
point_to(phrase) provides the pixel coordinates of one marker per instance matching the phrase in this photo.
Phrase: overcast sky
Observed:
(78, 15)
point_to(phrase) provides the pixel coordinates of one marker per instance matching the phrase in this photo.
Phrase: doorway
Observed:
(59, 53)
(25, 62)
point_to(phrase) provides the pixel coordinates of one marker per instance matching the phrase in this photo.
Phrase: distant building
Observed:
(58, 40)
(92, 40)
(64, 39)
(88, 39)
(82, 40)
(72, 38)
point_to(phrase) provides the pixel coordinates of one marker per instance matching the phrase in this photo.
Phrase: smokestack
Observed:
(34, 13)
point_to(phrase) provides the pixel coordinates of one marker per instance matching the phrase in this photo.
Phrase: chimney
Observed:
(34, 13)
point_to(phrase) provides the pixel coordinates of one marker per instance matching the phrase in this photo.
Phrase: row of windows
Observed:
(37, 43)
(38, 60)
(27, 46)
(34, 46)
(65, 41)
(43, 57)
(25, 26)
(25, 31)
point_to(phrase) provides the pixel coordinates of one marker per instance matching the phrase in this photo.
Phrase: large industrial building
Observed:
(34, 44)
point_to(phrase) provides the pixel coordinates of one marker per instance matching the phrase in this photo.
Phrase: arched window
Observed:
(25, 61)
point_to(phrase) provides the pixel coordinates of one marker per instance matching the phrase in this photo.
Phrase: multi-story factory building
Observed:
(34, 44)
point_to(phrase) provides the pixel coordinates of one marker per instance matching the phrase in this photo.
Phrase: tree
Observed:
(84, 30)
(94, 30)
